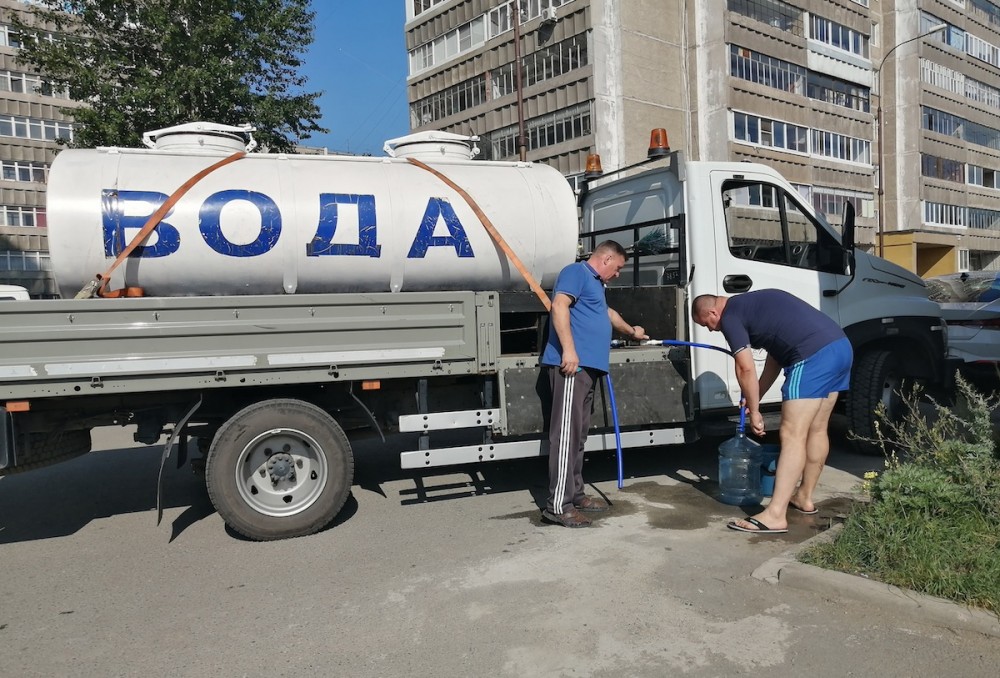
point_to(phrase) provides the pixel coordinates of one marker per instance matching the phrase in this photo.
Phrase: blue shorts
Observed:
(826, 371)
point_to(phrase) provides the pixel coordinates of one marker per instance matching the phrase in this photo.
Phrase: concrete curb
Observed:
(786, 570)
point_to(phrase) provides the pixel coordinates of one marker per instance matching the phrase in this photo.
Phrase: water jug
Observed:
(739, 468)
(768, 467)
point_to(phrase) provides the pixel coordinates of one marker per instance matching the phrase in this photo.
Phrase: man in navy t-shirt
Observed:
(576, 357)
(816, 357)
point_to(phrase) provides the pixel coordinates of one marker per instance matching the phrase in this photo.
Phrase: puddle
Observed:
(693, 506)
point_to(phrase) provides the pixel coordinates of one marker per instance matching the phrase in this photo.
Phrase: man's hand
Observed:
(757, 423)
(638, 332)
(570, 362)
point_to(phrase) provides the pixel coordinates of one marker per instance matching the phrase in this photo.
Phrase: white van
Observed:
(13, 293)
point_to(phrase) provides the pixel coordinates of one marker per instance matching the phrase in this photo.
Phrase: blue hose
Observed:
(673, 342)
(618, 431)
(611, 392)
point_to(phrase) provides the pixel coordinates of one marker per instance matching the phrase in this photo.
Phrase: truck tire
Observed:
(46, 449)
(279, 468)
(876, 378)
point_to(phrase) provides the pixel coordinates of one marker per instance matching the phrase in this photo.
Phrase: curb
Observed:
(786, 570)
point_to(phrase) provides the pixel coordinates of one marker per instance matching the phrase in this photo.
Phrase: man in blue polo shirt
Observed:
(576, 357)
(816, 357)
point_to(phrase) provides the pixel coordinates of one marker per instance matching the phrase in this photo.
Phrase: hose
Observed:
(611, 392)
(618, 431)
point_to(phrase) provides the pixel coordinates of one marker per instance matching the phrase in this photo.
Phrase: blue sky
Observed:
(358, 60)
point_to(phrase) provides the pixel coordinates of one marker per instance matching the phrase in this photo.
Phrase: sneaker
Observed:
(569, 518)
(590, 505)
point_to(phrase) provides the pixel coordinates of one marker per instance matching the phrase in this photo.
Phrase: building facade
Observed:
(803, 86)
(31, 122)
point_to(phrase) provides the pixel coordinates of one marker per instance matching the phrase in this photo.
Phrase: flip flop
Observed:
(759, 527)
(803, 511)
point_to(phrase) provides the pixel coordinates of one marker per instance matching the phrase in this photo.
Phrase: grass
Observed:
(933, 522)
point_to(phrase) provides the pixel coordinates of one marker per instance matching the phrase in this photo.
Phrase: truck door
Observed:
(763, 236)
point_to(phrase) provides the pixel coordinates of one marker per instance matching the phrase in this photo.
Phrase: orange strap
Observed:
(494, 233)
(150, 224)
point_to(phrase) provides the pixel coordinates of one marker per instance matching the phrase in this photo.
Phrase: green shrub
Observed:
(933, 522)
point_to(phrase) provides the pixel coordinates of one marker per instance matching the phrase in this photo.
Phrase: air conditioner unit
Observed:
(549, 15)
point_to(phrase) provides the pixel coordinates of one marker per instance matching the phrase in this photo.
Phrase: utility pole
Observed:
(522, 150)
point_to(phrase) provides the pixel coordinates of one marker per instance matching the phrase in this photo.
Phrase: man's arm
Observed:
(633, 331)
(559, 314)
(771, 371)
(746, 375)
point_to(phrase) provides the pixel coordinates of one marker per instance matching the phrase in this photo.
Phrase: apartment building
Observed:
(30, 124)
(795, 85)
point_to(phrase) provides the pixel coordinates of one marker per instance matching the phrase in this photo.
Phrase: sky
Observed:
(358, 60)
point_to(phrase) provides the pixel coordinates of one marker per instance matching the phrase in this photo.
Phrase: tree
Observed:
(142, 65)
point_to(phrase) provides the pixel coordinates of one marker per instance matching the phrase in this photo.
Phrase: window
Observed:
(841, 147)
(501, 19)
(942, 76)
(448, 46)
(838, 92)
(839, 36)
(546, 63)
(767, 224)
(963, 259)
(951, 36)
(421, 6)
(13, 81)
(986, 10)
(767, 132)
(24, 261)
(942, 168)
(547, 130)
(22, 216)
(941, 214)
(9, 37)
(553, 61)
(34, 128)
(760, 68)
(986, 177)
(771, 12)
(952, 125)
(941, 122)
(982, 50)
(13, 170)
(831, 201)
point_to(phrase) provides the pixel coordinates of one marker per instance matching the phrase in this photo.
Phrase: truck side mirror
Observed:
(847, 238)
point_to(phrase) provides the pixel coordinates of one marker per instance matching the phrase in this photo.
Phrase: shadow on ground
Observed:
(62, 499)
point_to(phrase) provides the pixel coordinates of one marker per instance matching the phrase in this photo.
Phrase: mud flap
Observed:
(7, 457)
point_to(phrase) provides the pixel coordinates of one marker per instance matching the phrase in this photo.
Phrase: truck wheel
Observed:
(278, 469)
(876, 378)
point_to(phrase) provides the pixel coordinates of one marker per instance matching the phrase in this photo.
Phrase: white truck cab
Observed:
(727, 228)
(13, 293)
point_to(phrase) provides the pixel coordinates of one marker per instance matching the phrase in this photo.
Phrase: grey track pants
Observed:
(572, 400)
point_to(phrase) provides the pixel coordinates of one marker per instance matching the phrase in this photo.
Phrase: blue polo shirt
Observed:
(789, 329)
(588, 318)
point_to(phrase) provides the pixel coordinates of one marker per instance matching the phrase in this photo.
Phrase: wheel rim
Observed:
(890, 393)
(281, 472)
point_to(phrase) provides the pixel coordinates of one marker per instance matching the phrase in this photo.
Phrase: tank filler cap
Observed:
(202, 136)
(433, 145)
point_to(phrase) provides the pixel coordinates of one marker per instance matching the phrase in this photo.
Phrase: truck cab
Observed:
(726, 228)
(13, 293)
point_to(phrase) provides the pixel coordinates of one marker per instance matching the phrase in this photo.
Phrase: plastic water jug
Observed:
(739, 468)
(768, 467)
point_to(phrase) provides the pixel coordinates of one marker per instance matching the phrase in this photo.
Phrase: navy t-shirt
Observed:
(588, 318)
(789, 329)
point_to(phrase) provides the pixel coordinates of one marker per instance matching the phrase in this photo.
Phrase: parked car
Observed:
(970, 304)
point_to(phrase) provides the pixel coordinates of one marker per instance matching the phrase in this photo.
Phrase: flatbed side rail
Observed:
(98, 346)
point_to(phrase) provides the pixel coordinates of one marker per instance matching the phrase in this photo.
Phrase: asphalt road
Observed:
(443, 573)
